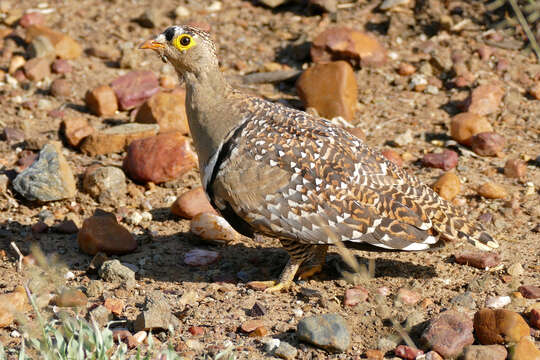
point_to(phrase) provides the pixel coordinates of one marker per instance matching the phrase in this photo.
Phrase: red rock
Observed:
(487, 144)
(392, 156)
(251, 325)
(31, 18)
(167, 109)
(61, 88)
(65, 46)
(37, 69)
(498, 326)
(330, 88)
(196, 330)
(407, 352)
(26, 158)
(465, 125)
(534, 318)
(102, 233)
(76, 129)
(12, 135)
(355, 296)
(61, 66)
(448, 333)
(342, 43)
(191, 203)
(160, 158)
(116, 138)
(66, 227)
(478, 259)
(102, 101)
(407, 296)
(20, 76)
(446, 160)
(200, 257)
(485, 99)
(116, 306)
(530, 291)
(135, 88)
(120, 334)
(515, 168)
(448, 186)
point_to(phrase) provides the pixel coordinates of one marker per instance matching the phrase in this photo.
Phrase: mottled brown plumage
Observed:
(284, 173)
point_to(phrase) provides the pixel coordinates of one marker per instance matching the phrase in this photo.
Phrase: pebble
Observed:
(448, 333)
(31, 18)
(102, 233)
(11, 304)
(497, 302)
(448, 186)
(95, 288)
(342, 43)
(149, 18)
(113, 271)
(446, 160)
(69, 297)
(61, 88)
(330, 88)
(76, 129)
(327, 331)
(530, 291)
(406, 69)
(104, 51)
(355, 296)
(105, 183)
(392, 156)
(41, 47)
(534, 91)
(465, 125)
(120, 334)
(213, 228)
(516, 269)
(117, 138)
(201, 257)
(49, 178)
(251, 325)
(37, 69)
(16, 62)
(515, 168)
(485, 99)
(167, 109)
(525, 349)
(102, 101)
(491, 190)
(487, 144)
(196, 330)
(478, 259)
(61, 66)
(12, 135)
(407, 352)
(182, 12)
(465, 299)
(156, 315)
(534, 318)
(408, 297)
(135, 88)
(65, 46)
(373, 354)
(432, 355)
(404, 138)
(191, 203)
(286, 351)
(116, 306)
(159, 158)
(485, 352)
(498, 326)
(101, 315)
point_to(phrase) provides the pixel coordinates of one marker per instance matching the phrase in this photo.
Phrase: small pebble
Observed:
(491, 190)
(497, 302)
(515, 168)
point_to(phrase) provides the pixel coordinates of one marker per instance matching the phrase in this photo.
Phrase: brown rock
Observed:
(485, 352)
(11, 304)
(259, 332)
(120, 334)
(251, 325)
(76, 129)
(446, 160)
(406, 69)
(465, 125)
(135, 88)
(358, 132)
(65, 46)
(66, 227)
(534, 318)
(478, 259)
(71, 298)
(448, 333)
(406, 296)
(102, 101)
(61, 88)
(487, 144)
(191, 203)
(196, 330)
(485, 99)
(525, 349)
(534, 91)
(102, 233)
(116, 138)
(330, 88)
(392, 156)
(355, 296)
(492, 191)
(213, 228)
(515, 168)
(448, 186)
(31, 18)
(159, 158)
(499, 326)
(167, 109)
(407, 352)
(342, 43)
(116, 306)
(12, 135)
(104, 51)
(530, 291)
(37, 69)
(61, 66)
(373, 354)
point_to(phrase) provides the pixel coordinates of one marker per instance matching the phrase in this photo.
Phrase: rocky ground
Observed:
(95, 158)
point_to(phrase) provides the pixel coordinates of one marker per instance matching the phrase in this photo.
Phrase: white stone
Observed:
(497, 302)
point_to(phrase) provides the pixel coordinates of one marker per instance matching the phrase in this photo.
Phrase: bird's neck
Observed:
(210, 112)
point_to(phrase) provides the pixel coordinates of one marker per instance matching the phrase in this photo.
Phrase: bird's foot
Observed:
(307, 272)
(278, 286)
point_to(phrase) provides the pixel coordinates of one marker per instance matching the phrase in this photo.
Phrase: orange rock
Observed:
(76, 129)
(515, 168)
(251, 325)
(373, 354)
(102, 101)
(259, 332)
(499, 326)
(525, 349)
(448, 186)
(167, 109)
(392, 156)
(65, 46)
(191, 203)
(485, 99)
(406, 69)
(71, 298)
(11, 304)
(534, 91)
(465, 125)
(116, 306)
(116, 138)
(102, 233)
(492, 191)
(330, 88)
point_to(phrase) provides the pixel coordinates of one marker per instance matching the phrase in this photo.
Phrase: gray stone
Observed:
(114, 271)
(448, 333)
(49, 178)
(156, 315)
(328, 331)
(101, 315)
(95, 288)
(485, 352)
(286, 351)
(105, 184)
(465, 300)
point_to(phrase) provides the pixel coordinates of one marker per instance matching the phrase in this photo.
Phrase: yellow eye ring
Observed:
(183, 42)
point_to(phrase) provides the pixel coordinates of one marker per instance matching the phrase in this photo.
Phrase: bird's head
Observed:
(187, 48)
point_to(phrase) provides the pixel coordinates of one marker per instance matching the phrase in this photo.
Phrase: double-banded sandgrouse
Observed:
(281, 172)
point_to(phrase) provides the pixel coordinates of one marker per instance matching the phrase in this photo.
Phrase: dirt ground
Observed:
(248, 37)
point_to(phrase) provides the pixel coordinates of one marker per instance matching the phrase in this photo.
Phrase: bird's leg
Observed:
(316, 262)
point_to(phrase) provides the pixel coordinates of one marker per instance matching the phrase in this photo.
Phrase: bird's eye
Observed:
(185, 40)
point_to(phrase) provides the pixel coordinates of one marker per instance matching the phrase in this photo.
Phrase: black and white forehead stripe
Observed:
(172, 31)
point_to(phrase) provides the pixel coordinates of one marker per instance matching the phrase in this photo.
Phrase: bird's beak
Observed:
(152, 44)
